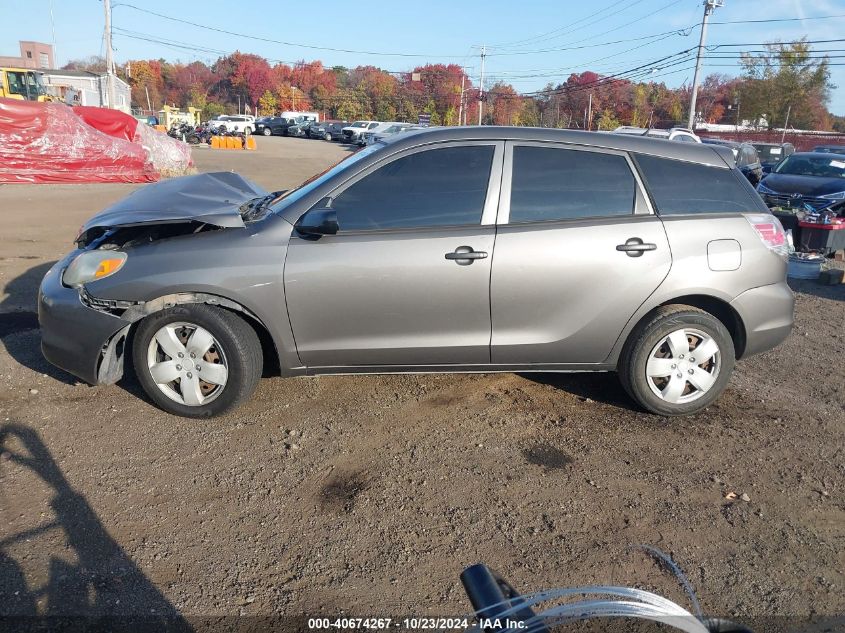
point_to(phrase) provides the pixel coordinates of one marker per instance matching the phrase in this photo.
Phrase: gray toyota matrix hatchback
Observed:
(470, 249)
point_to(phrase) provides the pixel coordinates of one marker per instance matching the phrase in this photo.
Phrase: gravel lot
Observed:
(368, 495)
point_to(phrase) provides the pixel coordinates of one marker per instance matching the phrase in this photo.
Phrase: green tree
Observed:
(212, 109)
(787, 78)
(608, 120)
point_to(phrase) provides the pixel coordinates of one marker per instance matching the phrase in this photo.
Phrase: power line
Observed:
(818, 17)
(282, 42)
(592, 37)
(564, 30)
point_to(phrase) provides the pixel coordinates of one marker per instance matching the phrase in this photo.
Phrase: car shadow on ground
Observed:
(98, 587)
(599, 386)
(813, 287)
(19, 332)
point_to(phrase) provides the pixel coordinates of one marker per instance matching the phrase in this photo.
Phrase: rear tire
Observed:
(658, 366)
(206, 360)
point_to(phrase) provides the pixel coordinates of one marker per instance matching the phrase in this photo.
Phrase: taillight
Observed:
(770, 231)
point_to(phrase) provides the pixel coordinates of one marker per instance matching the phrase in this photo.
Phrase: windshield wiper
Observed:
(257, 207)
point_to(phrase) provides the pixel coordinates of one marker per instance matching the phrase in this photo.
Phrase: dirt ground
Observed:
(367, 496)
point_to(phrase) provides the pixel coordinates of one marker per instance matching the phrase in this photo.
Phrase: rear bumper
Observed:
(81, 340)
(767, 314)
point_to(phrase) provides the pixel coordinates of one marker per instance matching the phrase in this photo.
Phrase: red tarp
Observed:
(169, 156)
(112, 122)
(47, 142)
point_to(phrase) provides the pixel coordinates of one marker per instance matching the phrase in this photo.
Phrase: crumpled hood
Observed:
(212, 198)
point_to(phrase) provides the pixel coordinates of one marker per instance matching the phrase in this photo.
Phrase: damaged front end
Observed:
(87, 335)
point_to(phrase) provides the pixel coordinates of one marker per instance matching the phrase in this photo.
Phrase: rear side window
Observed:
(551, 183)
(436, 187)
(678, 187)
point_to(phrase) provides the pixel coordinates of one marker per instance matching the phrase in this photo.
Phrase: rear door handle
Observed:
(635, 247)
(465, 255)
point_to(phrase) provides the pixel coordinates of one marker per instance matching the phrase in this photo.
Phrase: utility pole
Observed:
(589, 122)
(709, 7)
(481, 84)
(461, 104)
(786, 124)
(109, 59)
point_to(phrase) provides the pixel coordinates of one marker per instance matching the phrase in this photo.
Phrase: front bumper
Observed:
(767, 314)
(85, 342)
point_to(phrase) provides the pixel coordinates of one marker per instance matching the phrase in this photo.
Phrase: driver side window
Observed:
(436, 187)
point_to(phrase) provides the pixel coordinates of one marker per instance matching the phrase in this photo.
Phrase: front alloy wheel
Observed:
(197, 360)
(187, 363)
(677, 361)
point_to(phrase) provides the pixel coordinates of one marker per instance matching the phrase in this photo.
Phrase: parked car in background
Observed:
(772, 153)
(355, 131)
(334, 130)
(682, 134)
(816, 179)
(325, 130)
(437, 251)
(385, 131)
(276, 126)
(301, 128)
(234, 123)
(830, 149)
(745, 156)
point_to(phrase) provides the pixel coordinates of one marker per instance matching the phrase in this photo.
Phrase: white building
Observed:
(81, 87)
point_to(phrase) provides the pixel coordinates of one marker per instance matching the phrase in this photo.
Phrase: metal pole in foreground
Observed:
(109, 60)
(481, 85)
(709, 7)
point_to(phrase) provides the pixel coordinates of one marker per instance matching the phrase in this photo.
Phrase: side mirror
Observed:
(767, 169)
(317, 222)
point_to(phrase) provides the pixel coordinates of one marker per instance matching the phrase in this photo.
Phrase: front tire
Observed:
(267, 131)
(196, 360)
(678, 361)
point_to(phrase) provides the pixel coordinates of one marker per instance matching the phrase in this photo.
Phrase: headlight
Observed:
(761, 188)
(92, 265)
(835, 196)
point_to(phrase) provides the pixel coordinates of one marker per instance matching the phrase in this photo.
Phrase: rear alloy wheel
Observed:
(677, 362)
(197, 360)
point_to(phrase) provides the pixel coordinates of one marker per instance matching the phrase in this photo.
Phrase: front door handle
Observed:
(635, 247)
(465, 255)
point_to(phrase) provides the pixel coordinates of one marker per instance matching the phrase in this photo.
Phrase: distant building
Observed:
(33, 55)
(81, 87)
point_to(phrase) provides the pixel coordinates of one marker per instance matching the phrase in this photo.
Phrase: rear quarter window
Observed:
(682, 188)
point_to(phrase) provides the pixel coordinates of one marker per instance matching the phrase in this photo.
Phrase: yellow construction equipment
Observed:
(22, 83)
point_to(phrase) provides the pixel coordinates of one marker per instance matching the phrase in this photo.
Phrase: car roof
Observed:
(693, 152)
(821, 155)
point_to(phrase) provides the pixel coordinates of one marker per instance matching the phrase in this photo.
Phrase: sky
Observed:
(528, 43)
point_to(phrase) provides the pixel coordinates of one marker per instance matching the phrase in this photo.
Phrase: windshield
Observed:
(289, 197)
(769, 153)
(359, 124)
(808, 165)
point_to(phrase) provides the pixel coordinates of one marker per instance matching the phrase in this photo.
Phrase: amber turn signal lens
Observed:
(107, 267)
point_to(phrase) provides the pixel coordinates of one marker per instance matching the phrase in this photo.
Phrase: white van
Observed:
(301, 116)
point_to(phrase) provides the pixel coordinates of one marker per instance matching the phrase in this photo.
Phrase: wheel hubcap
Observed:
(683, 366)
(187, 364)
